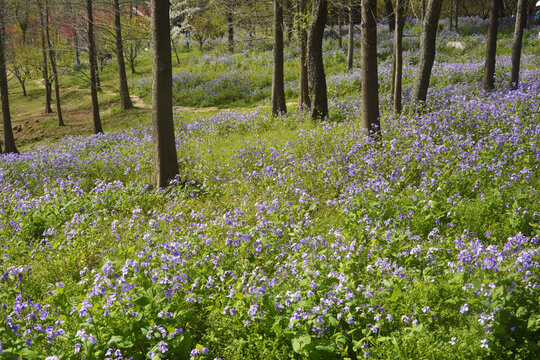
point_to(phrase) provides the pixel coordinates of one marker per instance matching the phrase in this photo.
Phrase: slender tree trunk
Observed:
(52, 58)
(398, 55)
(46, 82)
(427, 51)
(302, 35)
(231, 28)
(288, 19)
(278, 86)
(370, 79)
(316, 76)
(451, 17)
(457, 15)
(122, 77)
(23, 86)
(516, 49)
(93, 69)
(165, 158)
(9, 140)
(173, 44)
(488, 82)
(390, 16)
(350, 47)
(423, 9)
(340, 39)
(77, 56)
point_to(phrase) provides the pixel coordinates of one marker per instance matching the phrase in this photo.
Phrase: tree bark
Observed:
(451, 17)
(423, 9)
(46, 82)
(303, 101)
(163, 141)
(340, 39)
(457, 15)
(398, 55)
(370, 78)
(427, 51)
(122, 77)
(231, 28)
(93, 69)
(516, 49)
(488, 82)
(278, 86)
(52, 58)
(350, 47)
(390, 16)
(316, 76)
(9, 140)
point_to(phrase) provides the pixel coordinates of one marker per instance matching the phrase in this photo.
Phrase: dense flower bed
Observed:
(284, 239)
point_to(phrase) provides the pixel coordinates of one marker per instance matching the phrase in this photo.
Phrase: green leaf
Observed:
(143, 300)
(534, 323)
(277, 328)
(300, 343)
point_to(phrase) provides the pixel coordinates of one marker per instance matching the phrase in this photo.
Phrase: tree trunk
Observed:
(122, 77)
(46, 82)
(303, 101)
(278, 86)
(398, 55)
(488, 82)
(516, 49)
(77, 56)
(390, 16)
(231, 28)
(132, 62)
(9, 141)
(93, 69)
(350, 47)
(340, 39)
(316, 76)
(173, 44)
(163, 141)
(52, 58)
(370, 78)
(451, 17)
(427, 51)
(457, 15)
(423, 9)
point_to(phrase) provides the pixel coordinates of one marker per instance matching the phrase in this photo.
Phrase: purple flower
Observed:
(162, 346)
(484, 343)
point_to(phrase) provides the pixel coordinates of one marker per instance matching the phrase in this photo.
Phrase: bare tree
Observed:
(518, 39)
(427, 51)
(93, 69)
(316, 76)
(278, 86)
(165, 158)
(122, 77)
(370, 78)
(9, 140)
(52, 58)
(488, 82)
(398, 55)
(350, 46)
(46, 81)
(390, 15)
(303, 101)
(230, 28)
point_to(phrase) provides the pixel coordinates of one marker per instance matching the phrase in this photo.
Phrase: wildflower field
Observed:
(288, 239)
